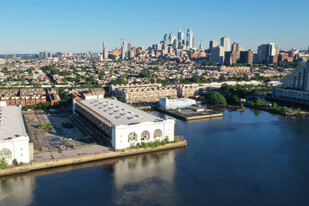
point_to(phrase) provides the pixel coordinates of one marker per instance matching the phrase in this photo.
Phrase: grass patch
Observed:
(45, 127)
(152, 144)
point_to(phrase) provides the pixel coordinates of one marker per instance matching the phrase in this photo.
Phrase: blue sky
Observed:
(30, 26)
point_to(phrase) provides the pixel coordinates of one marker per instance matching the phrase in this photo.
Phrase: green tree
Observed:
(216, 98)
(101, 75)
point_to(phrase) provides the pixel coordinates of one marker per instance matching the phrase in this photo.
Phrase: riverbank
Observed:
(87, 158)
(301, 114)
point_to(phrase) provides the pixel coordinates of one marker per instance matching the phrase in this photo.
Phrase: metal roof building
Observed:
(14, 140)
(124, 124)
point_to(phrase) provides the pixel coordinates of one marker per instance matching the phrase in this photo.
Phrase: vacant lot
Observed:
(53, 137)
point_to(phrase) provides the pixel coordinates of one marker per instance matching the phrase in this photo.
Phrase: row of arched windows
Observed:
(5, 154)
(145, 136)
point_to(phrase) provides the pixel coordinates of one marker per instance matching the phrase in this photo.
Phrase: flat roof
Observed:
(11, 122)
(120, 113)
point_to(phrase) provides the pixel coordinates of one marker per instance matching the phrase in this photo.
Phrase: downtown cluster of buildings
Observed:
(180, 49)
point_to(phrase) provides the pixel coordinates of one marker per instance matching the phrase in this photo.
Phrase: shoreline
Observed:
(88, 158)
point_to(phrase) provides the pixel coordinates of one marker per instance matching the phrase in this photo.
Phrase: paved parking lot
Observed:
(56, 138)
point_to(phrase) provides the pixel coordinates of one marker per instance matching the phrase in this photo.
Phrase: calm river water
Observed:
(244, 158)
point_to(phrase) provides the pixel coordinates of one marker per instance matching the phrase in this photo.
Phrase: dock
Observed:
(189, 114)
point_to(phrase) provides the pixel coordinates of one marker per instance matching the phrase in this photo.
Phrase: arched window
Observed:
(145, 135)
(5, 153)
(157, 133)
(132, 137)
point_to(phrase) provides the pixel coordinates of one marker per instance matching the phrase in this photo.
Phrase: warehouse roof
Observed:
(11, 123)
(120, 113)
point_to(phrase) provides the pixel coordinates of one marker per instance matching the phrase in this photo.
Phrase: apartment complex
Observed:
(151, 92)
(23, 97)
(295, 86)
(86, 93)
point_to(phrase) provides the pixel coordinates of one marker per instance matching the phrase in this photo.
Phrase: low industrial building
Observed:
(124, 125)
(167, 103)
(14, 140)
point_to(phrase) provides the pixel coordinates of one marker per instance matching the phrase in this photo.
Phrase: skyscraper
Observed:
(165, 41)
(173, 40)
(123, 49)
(180, 35)
(201, 46)
(217, 54)
(105, 52)
(213, 44)
(226, 43)
(190, 38)
(267, 52)
(246, 57)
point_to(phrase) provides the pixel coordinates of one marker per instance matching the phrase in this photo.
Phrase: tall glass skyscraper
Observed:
(123, 49)
(226, 43)
(190, 38)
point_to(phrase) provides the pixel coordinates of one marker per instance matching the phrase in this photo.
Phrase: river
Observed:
(245, 158)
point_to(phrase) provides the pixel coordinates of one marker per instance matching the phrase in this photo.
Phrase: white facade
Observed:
(124, 124)
(175, 103)
(125, 136)
(14, 140)
(226, 43)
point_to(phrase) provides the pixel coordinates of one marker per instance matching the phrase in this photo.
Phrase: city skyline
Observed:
(35, 26)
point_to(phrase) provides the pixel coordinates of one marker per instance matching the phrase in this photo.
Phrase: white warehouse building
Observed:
(14, 140)
(167, 103)
(123, 124)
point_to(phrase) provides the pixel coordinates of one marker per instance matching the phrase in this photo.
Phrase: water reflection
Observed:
(147, 179)
(17, 190)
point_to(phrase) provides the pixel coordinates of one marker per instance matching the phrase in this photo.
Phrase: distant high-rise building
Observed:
(173, 41)
(262, 53)
(180, 38)
(45, 54)
(201, 46)
(213, 44)
(217, 54)
(246, 57)
(59, 55)
(267, 52)
(165, 41)
(193, 43)
(233, 55)
(105, 53)
(225, 42)
(129, 46)
(124, 49)
(190, 38)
